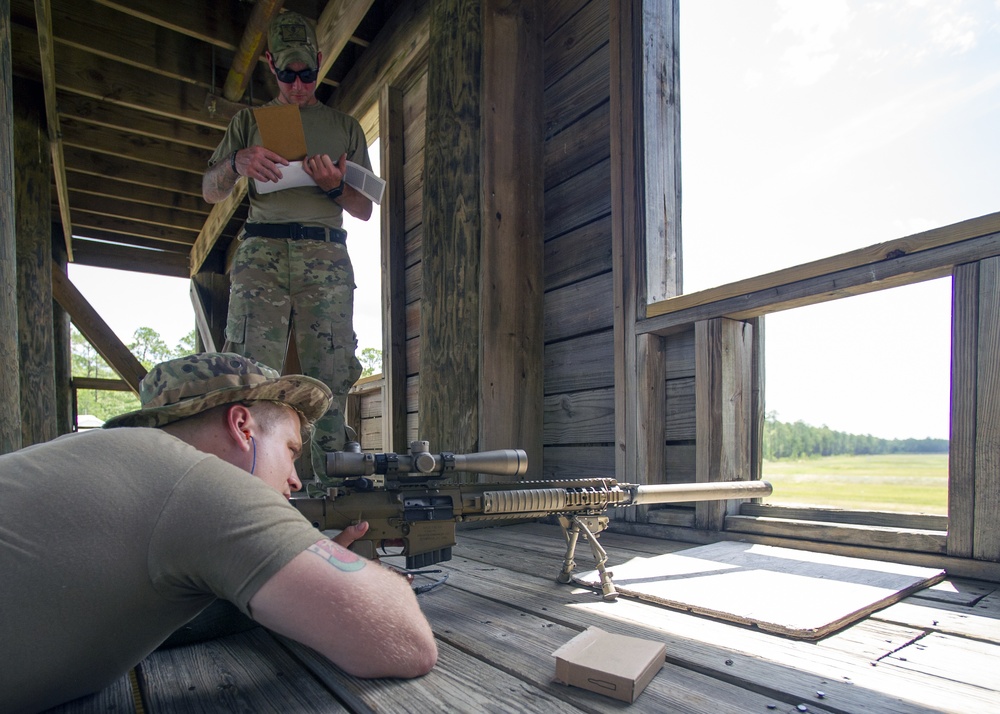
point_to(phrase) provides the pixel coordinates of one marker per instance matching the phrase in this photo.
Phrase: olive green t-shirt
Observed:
(327, 131)
(109, 541)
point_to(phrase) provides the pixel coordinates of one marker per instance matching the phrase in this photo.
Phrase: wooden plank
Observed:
(522, 643)
(578, 93)
(681, 418)
(944, 658)
(96, 330)
(118, 210)
(986, 537)
(251, 47)
(511, 275)
(578, 201)
(979, 620)
(870, 255)
(85, 219)
(836, 515)
(189, 17)
(585, 362)
(446, 686)
(962, 441)
(248, 671)
(791, 670)
(135, 147)
(922, 541)
(92, 163)
(90, 184)
(578, 461)
(580, 308)
(580, 418)
(576, 39)
(582, 253)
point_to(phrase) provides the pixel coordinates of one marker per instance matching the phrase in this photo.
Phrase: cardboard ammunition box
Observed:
(613, 665)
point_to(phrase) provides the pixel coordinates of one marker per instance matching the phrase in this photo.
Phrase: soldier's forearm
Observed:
(218, 182)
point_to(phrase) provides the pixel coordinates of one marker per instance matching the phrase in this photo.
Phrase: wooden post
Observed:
(452, 226)
(10, 388)
(986, 539)
(723, 355)
(62, 343)
(962, 439)
(391, 150)
(33, 200)
(645, 203)
(511, 275)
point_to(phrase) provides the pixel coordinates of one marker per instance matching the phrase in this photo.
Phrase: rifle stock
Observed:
(405, 500)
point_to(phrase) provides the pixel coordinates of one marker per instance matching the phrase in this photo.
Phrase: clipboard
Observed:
(280, 127)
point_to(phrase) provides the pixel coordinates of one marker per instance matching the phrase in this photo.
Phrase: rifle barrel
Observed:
(713, 491)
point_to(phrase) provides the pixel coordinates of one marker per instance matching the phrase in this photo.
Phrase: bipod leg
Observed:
(608, 591)
(571, 530)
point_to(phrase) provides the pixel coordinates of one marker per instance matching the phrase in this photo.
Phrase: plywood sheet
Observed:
(790, 592)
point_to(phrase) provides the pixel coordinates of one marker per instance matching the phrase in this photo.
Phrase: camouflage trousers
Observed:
(303, 288)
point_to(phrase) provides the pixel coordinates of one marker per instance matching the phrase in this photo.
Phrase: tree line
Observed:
(798, 440)
(149, 348)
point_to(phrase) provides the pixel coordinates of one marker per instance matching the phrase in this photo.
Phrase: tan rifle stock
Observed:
(406, 498)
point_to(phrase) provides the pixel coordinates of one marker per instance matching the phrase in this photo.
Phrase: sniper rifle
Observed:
(406, 499)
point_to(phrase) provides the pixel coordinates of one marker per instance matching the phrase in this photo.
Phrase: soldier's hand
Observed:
(324, 171)
(259, 163)
(351, 534)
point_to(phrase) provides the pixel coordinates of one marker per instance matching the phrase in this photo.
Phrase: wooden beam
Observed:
(112, 224)
(335, 26)
(401, 45)
(986, 536)
(210, 298)
(511, 281)
(46, 50)
(34, 268)
(393, 207)
(113, 207)
(92, 163)
(723, 393)
(107, 187)
(892, 272)
(135, 147)
(870, 255)
(452, 225)
(96, 330)
(10, 387)
(962, 437)
(627, 221)
(217, 220)
(133, 260)
(215, 23)
(252, 45)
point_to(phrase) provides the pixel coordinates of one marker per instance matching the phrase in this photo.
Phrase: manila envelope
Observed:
(281, 130)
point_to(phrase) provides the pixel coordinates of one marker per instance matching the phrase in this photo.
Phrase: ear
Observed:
(239, 424)
(319, 59)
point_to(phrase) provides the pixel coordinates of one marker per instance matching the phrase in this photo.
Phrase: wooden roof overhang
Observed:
(137, 95)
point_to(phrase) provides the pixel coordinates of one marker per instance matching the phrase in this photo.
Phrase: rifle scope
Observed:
(502, 462)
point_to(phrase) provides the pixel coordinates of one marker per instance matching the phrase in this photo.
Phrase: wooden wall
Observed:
(579, 420)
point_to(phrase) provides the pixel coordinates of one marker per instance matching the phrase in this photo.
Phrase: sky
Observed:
(809, 129)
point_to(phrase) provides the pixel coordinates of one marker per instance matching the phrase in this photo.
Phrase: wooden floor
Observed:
(500, 615)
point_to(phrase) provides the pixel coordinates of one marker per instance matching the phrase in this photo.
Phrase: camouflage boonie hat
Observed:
(186, 386)
(291, 38)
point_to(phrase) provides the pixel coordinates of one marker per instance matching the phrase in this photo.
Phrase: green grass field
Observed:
(911, 483)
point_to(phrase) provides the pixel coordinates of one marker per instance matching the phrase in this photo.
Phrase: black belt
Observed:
(295, 231)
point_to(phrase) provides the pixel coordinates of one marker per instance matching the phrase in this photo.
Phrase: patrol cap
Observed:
(186, 386)
(292, 38)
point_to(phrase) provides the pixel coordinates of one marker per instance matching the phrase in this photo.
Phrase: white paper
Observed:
(356, 176)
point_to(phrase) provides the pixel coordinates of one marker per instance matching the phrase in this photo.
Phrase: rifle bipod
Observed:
(590, 526)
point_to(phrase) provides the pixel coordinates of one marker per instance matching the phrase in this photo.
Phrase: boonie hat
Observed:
(291, 38)
(186, 386)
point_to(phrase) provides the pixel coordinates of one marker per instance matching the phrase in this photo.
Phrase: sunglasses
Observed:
(287, 76)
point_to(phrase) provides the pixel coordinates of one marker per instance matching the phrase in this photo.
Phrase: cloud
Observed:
(813, 27)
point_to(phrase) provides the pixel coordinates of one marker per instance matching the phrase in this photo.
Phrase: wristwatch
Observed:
(335, 193)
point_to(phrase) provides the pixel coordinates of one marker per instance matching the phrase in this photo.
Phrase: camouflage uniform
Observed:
(308, 284)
